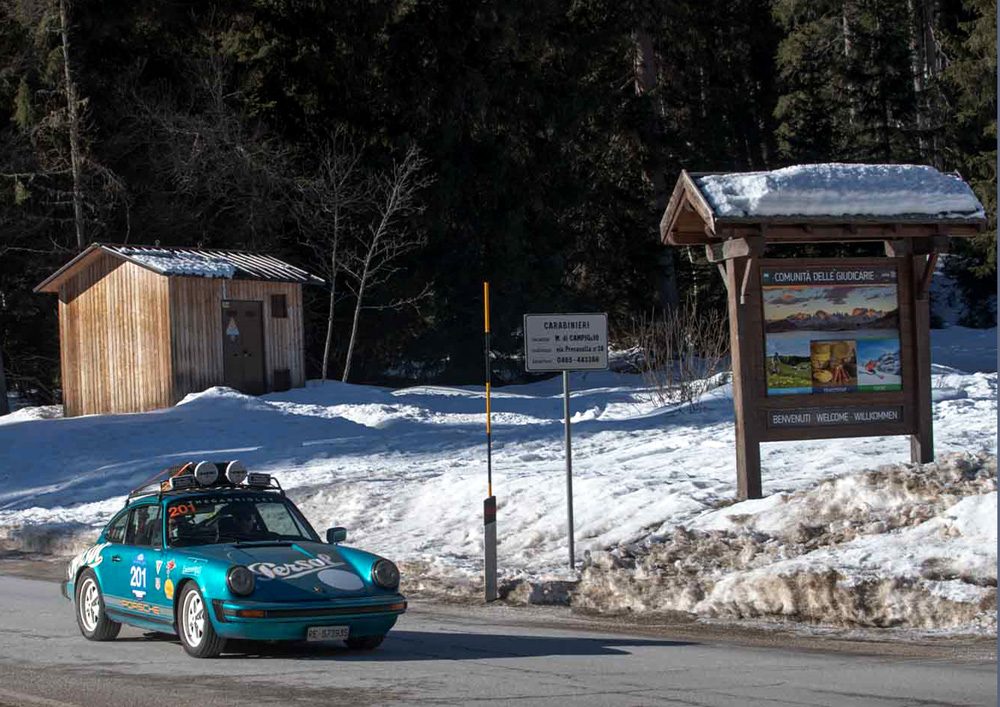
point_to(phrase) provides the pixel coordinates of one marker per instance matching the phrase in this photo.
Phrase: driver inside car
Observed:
(239, 520)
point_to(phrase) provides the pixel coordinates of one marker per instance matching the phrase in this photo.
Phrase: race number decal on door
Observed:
(137, 573)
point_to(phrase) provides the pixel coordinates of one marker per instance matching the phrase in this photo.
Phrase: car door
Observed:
(140, 557)
(108, 564)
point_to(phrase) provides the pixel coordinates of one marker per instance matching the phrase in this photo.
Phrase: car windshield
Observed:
(205, 520)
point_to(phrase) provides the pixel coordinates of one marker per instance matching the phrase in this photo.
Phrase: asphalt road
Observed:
(448, 655)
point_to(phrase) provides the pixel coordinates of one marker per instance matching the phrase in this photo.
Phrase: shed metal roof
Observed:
(188, 262)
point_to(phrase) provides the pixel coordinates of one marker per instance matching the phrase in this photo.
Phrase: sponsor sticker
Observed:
(137, 576)
(292, 570)
(144, 608)
(168, 589)
(157, 584)
(159, 564)
(170, 565)
(191, 571)
(90, 557)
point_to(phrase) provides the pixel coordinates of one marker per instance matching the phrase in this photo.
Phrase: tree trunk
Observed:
(645, 81)
(329, 320)
(362, 281)
(4, 404)
(74, 128)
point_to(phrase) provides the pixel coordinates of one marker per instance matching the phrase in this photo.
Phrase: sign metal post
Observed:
(566, 342)
(569, 468)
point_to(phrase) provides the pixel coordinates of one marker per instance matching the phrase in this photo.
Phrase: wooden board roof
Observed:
(691, 218)
(187, 262)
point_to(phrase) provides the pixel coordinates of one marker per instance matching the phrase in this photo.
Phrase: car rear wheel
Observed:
(197, 634)
(90, 613)
(365, 643)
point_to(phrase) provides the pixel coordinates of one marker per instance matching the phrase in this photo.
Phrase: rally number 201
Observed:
(138, 576)
(181, 509)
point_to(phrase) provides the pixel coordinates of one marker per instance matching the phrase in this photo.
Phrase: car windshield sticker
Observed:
(292, 570)
(138, 576)
(181, 509)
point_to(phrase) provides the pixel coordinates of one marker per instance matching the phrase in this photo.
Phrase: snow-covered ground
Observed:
(836, 541)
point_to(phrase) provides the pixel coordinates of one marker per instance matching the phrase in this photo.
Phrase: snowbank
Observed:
(910, 546)
(405, 471)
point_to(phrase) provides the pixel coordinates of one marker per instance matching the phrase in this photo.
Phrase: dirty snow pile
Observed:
(841, 539)
(883, 190)
(905, 545)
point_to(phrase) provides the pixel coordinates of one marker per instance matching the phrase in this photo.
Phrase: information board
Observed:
(831, 329)
(565, 342)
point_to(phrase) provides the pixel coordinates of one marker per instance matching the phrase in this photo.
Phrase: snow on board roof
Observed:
(841, 190)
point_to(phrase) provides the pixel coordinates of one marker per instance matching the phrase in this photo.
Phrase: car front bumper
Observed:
(268, 621)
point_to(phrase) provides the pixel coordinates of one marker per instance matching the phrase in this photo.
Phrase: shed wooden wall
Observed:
(196, 330)
(114, 335)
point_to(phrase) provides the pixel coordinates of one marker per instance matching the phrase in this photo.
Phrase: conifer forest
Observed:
(407, 150)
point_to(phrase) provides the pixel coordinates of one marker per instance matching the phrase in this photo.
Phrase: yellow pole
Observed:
(489, 430)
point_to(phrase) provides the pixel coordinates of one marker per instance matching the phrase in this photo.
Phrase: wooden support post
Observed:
(924, 284)
(744, 340)
(922, 443)
(722, 271)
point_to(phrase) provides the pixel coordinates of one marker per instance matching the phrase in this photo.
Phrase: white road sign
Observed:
(565, 342)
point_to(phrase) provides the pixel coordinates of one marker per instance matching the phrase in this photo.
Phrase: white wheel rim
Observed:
(90, 605)
(194, 619)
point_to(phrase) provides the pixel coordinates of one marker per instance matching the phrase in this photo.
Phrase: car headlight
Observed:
(240, 580)
(385, 574)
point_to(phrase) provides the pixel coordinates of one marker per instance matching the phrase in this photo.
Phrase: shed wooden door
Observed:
(243, 346)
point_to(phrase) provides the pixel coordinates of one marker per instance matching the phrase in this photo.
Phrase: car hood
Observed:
(302, 571)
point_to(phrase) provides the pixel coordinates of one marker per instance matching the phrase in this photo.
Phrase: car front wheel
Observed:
(90, 613)
(197, 634)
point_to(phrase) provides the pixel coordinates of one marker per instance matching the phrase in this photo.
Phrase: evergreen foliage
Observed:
(552, 131)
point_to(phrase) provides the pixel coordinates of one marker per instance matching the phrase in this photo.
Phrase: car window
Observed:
(116, 530)
(203, 520)
(145, 529)
(277, 519)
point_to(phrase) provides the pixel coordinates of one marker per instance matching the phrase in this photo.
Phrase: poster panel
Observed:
(831, 329)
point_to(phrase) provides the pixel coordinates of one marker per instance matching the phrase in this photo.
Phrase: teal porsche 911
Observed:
(214, 552)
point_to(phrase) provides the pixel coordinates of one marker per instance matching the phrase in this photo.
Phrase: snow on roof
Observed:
(230, 264)
(181, 263)
(837, 190)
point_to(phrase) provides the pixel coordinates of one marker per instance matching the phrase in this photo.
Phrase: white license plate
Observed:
(327, 633)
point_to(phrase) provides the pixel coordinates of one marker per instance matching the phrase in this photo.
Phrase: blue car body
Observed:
(299, 583)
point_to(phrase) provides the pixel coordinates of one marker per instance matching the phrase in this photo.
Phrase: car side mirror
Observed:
(336, 535)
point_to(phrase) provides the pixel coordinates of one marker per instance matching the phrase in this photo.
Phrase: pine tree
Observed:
(972, 77)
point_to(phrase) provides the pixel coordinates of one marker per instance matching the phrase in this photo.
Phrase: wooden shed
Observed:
(141, 327)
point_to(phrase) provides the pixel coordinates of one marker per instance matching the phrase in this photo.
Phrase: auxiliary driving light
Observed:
(236, 473)
(206, 473)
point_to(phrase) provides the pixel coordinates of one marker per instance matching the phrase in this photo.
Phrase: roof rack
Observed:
(158, 487)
